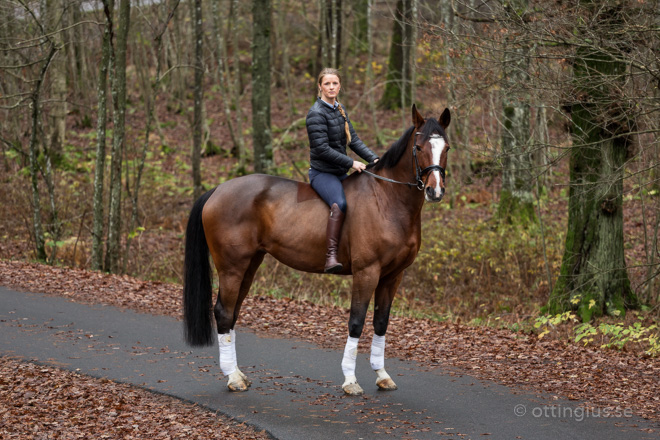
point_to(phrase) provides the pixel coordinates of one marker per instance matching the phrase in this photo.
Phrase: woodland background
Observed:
(114, 116)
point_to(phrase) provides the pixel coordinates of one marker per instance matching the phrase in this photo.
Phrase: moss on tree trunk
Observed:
(593, 278)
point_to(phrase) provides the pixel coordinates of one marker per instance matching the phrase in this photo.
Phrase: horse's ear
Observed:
(445, 118)
(417, 119)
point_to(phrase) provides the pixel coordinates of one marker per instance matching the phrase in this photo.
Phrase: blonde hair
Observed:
(331, 71)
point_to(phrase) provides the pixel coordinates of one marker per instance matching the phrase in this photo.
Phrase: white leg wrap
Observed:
(378, 352)
(350, 357)
(232, 333)
(227, 345)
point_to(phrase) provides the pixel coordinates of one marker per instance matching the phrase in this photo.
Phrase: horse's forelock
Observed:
(430, 127)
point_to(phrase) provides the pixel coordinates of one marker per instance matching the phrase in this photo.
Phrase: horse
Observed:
(243, 219)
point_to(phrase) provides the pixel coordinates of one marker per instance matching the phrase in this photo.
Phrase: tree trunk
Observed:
(119, 118)
(56, 128)
(516, 196)
(361, 11)
(285, 71)
(198, 96)
(412, 26)
(101, 123)
(237, 89)
(397, 87)
(261, 130)
(40, 242)
(369, 83)
(593, 278)
(323, 52)
(334, 31)
(223, 74)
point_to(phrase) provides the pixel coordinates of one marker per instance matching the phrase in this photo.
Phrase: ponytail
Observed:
(348, 131)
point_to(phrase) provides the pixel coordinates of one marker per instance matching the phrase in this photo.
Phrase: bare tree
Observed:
(118, 137)
(56, 127)
(397, 86)
(587, 63)
(261, 129)
(101, 124)
(198, 96)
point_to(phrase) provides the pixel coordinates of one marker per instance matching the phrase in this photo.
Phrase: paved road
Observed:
(297, 386)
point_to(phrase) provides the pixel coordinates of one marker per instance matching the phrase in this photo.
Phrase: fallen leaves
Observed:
(599, 378)
(47, 403)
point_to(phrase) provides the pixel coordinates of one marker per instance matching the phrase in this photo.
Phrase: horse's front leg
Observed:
(385, 292)
(364, 283)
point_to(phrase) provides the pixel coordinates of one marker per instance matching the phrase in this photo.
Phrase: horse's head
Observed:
(430, 152)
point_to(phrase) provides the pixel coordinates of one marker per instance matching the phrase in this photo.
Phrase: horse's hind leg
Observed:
(235, 284)
(385, 292)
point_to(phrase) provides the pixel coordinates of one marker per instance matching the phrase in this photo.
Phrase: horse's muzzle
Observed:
(431, 195)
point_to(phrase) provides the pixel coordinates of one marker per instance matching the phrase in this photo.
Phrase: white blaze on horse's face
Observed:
(435, 194)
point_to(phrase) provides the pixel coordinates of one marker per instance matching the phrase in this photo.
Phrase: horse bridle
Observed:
(420, 182)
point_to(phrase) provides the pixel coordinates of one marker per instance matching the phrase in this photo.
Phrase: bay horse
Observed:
(243, 219)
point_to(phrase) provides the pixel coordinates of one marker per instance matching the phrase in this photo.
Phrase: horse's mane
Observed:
(394, 154)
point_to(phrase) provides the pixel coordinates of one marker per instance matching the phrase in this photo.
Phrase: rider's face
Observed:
(329, 88)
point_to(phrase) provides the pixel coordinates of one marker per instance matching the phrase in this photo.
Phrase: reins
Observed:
(386, 179)
(419, 172)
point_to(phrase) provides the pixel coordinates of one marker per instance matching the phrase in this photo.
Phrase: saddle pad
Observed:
(306, 192)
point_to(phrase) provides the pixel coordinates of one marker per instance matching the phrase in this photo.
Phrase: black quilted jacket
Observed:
(327, 140)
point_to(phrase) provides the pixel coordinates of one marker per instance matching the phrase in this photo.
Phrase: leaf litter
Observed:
(599, 378)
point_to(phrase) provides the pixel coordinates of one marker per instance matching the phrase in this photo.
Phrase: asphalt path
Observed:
(296, 391)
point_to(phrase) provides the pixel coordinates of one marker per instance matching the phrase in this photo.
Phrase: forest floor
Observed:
(598, 378)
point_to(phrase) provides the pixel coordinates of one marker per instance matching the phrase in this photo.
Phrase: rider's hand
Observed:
(358, 166)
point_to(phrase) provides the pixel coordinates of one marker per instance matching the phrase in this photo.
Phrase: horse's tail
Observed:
(197, 291)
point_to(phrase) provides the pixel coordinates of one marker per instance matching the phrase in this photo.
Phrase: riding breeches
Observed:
(329, 187)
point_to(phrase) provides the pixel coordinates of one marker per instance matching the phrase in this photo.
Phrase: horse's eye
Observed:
(419, 148)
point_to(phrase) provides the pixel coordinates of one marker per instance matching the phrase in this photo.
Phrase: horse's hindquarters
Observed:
(260, 213)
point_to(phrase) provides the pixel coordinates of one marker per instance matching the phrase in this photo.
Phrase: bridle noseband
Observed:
(420, 182)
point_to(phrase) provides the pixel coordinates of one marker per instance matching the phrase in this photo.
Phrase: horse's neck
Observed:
(409, 198)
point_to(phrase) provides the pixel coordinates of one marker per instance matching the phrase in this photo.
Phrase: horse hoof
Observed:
(353, 389)
(386, 384)
(238, 382)
(237, 386)
(247, 381)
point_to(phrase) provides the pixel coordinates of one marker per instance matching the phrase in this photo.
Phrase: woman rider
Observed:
(330, 132)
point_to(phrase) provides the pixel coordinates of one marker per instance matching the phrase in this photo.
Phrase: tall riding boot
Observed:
(333, 233)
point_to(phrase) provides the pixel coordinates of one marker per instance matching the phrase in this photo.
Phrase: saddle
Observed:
(306, 192)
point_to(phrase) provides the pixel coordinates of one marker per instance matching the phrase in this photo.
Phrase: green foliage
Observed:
(546, 323)
(620, 336)
(617, 335)
(136, 232)
(462, 265)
